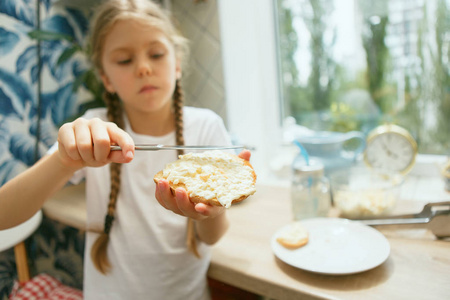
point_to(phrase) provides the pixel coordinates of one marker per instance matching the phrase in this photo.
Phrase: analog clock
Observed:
(390, 148)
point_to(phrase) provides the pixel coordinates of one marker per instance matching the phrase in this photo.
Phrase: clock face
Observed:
(390, 151)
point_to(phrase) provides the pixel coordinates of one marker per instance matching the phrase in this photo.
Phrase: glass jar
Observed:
(310, 191)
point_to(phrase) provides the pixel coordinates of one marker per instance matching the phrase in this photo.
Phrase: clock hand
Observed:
(386, 149)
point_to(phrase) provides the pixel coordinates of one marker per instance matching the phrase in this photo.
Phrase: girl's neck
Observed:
(151, 123)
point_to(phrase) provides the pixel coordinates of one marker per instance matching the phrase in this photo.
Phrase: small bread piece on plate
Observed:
(295, 236)
(211, 177)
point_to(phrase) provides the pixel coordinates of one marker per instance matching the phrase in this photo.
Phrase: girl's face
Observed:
(140, 65)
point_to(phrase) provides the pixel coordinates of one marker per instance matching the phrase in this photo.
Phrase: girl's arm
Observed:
(210, 230)
(81, 143)
(24, 195)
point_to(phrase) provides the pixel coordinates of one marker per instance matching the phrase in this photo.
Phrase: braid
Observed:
(178, 100)
(114, 106)
(99, 249)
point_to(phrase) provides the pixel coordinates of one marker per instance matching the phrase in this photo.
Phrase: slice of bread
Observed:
(211, 177)
(294, 236)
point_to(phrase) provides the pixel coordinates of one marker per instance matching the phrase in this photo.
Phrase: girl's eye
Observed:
(157, 55)
(124, 61)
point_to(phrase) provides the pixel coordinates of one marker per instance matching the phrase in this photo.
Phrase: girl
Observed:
(137, 243)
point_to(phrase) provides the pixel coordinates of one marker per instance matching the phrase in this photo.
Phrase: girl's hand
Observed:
(86, 143)
(180, 204)
(245, 154)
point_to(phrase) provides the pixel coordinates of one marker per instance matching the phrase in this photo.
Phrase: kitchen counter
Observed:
(417, 268)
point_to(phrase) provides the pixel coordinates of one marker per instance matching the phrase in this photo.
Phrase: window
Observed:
(251, 78)
(257, 77)
(354, 64)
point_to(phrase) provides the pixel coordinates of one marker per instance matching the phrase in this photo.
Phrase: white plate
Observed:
(336, 246)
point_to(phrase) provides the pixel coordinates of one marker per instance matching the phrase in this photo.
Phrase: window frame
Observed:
(251, 87)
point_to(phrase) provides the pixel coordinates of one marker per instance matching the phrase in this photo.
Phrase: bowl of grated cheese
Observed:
(363, 193)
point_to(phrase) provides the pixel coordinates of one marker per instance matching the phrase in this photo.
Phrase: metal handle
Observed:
(438, 221)
(397, 223)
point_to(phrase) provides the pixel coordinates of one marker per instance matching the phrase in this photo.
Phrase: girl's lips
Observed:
(148, 88)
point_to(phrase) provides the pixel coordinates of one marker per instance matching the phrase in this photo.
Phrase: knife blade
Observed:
(177, 147)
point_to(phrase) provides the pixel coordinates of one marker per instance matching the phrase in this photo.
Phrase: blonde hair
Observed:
(144, 11)
(153, 15)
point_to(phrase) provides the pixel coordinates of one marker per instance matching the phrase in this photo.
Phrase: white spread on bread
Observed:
(212, 174)
(295, 232)
(294, 236)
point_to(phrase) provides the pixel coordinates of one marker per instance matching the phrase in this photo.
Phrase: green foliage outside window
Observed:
(404, 78)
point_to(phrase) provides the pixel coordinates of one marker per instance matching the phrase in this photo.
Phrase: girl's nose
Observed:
(144, 68)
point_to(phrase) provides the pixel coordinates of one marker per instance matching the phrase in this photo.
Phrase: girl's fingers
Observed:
(83, 138)
(208, 210)
(121, 138)
(202, 208)
(178, 202)
(159, 196)
(166, 197)
(67, 142)
(184, 204)
(100, 140)
(245, 154)
(88, 143)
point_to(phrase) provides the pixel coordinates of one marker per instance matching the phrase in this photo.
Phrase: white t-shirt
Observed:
(147, 247)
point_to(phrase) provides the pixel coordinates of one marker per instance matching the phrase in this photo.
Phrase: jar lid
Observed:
(313, 168)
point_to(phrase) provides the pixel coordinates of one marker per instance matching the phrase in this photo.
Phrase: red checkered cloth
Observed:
(44, 287)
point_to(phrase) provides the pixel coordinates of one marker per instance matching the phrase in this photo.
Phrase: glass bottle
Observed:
(310, 191)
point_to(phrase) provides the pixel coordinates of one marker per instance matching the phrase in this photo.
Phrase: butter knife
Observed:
(177, 147)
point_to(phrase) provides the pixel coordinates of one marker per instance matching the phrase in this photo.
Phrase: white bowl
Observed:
(362, 193)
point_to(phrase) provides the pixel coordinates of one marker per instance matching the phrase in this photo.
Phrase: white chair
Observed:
(15, 237)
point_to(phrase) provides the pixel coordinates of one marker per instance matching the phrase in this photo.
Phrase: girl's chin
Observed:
(150, 106)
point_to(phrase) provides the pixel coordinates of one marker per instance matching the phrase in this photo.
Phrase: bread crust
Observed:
(293, 245)
(197, 199)
(293, 237)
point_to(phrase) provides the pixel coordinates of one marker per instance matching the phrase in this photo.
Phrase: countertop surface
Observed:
(417, 267)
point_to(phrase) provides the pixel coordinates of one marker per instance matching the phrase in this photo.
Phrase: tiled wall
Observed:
(203, 81)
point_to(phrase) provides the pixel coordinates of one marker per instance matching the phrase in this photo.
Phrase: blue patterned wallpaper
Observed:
(42, 85)
(39, 89)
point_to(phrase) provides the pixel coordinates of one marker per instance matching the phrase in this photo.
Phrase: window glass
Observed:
(355, 64)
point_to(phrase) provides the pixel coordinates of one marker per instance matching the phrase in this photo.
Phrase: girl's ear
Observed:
(178, 71)
(107, 83)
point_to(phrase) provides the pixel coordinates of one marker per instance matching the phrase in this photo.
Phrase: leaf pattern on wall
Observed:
(27, 61)
(17, 90)
(8, 41)
(6, 106)
(22, 10)
(24, 117)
